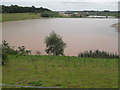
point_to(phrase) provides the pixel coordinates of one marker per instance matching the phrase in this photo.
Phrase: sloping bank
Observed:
(19, 16)
(117, 25)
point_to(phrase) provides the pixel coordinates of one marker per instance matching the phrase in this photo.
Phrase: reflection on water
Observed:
(79, 34)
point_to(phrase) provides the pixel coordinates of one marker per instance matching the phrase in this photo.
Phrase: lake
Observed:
(80, 34)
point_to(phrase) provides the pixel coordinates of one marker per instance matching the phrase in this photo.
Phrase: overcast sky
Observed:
(63, 5)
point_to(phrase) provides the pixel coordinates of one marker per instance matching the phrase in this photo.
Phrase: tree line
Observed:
(44, 12)
(20, 9)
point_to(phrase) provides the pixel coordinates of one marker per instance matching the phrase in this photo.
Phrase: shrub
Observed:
(49, 14)
(98, 54)
(8, 49)
(23, 51)
(4, 58)
(54, 44)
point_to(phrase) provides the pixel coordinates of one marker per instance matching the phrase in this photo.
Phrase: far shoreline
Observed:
(29, 16)
(56, 17)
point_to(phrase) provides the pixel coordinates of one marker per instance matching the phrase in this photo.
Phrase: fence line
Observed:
(25, 86)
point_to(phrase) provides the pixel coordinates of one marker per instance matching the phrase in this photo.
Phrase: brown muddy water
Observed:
(80, 34)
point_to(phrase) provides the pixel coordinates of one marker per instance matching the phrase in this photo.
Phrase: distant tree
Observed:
(46, 14)
(54, 44)
(49, 14)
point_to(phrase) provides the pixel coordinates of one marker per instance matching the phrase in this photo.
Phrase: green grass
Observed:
(19, 16)
(0, 76)
(61, 71)
(22, 16)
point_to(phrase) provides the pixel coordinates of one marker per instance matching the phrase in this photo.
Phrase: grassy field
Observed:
(61, 71)
(0, 76)
(22, 16)
(25, 16)
(19, 16)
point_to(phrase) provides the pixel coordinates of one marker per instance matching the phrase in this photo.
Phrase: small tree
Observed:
(54, 44)
(4, 50)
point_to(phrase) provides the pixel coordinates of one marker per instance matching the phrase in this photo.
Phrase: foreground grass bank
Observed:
(19, 16)
(61, 71)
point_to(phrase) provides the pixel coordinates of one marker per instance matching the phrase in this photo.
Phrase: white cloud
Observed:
(60, 0)
(67, 4)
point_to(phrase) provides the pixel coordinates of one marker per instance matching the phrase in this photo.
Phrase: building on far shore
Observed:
(92, 16)
(65, 14)
(72, 14)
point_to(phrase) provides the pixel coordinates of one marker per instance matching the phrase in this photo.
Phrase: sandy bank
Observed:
(117, 25)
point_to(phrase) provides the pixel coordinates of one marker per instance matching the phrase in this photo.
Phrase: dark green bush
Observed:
(49, 14)
(6, 49)
(97, 54)
(4, 58)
